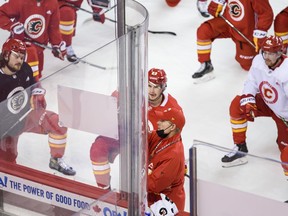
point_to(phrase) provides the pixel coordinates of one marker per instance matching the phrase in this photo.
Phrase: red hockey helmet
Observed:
(272, 44)
(157, 76)
(13, 45)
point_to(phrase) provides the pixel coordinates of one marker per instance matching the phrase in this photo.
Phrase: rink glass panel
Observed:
(81, 95)
(262, 176)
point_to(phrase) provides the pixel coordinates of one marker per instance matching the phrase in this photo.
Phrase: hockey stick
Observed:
(90, 12)
(87, 11)
(240, 33)
(17, 122)
(79, 59)
(162, 32)
(153, 32)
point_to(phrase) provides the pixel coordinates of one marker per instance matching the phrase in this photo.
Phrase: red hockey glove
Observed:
(215, 7)
(37, 99)
(59, 51)
(17, 31)
(248, 106)
(258, 38)
(97, 16)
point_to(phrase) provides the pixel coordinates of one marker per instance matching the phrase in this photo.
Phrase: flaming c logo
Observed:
(268, 92)
(236, 10)
(35, 25)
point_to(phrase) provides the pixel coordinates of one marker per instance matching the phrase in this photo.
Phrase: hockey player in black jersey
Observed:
(23, 108)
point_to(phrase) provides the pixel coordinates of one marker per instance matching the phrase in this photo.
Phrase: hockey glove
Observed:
(59, 51)
(37, 99)
(215, 7)
(17, 31)
(97, 16)
(258, 38)
(248, 106)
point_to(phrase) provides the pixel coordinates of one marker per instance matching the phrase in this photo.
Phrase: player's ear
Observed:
(6, 57)
(173, 127)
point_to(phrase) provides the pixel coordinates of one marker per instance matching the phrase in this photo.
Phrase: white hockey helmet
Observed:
(165, 206)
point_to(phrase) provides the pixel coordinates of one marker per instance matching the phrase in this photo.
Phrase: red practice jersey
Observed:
(168, 102)
(166, 169)
(40, 19)
(248, 15)
(76, 3)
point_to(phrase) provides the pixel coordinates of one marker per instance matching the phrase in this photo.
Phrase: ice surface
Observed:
(206, 105)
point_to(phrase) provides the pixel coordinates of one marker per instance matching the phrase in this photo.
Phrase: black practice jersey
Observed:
(15, 96)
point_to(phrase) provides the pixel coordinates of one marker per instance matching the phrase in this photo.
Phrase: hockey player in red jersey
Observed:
(158, 98)
(104, 150)
(34, 20)
(264, 95)
(281, 27)
(23, 108)
(68, 20)
(166, 162)
(252, 18)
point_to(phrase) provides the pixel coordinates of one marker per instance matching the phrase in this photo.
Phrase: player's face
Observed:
(270, 58)
(154, 92)
(15, 61)
(164, 125)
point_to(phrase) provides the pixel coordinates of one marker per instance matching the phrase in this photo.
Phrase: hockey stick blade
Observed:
(163, 32)
(153, 32)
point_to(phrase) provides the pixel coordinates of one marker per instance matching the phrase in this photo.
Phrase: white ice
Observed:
(206, 105)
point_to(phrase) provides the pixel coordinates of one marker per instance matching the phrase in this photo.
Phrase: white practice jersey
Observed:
(271, 84)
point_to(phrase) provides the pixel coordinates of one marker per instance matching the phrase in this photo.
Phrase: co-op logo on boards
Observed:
(106, 211)
(3, 181)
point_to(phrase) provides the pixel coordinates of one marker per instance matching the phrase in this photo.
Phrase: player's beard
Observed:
(14, 68)
(268, 62)
(272, 64)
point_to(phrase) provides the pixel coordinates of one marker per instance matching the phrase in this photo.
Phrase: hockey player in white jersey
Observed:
(265, 93)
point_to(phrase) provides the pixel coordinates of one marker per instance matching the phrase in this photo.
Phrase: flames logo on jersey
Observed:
(268, 92)
(17, 100)
(34, 25)
(236, 10)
